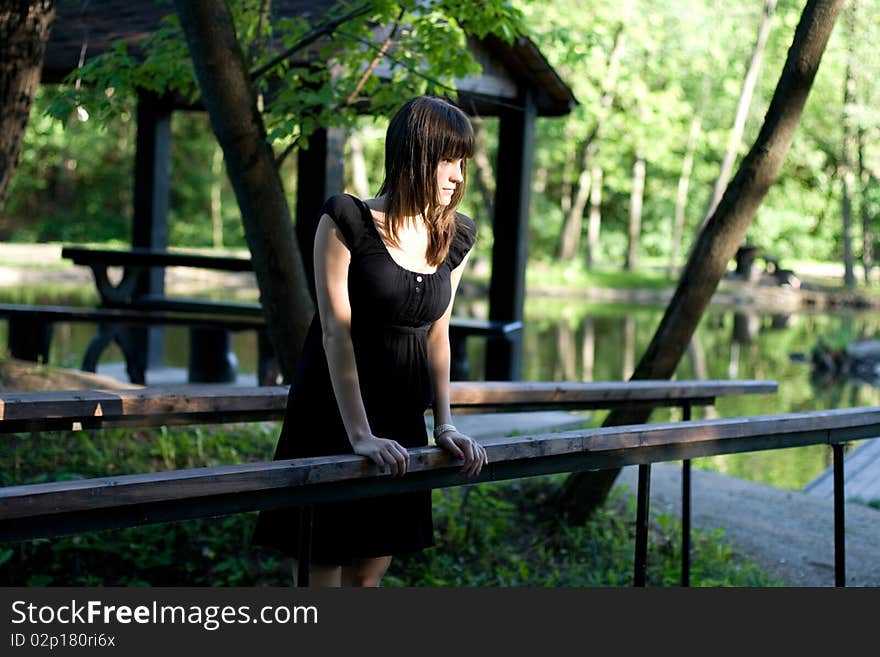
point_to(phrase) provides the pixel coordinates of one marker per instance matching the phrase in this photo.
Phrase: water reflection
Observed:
(584, 342)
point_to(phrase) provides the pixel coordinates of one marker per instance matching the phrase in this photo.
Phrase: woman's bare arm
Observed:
(439, 357)
(332, 260)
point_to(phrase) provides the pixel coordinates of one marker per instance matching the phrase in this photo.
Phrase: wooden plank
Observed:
(145, 257)
(126, 316)
(559, 394)
(588, 448)
(180, 401)
(140, 402)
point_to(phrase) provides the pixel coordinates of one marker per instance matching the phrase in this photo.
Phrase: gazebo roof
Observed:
(84, 29)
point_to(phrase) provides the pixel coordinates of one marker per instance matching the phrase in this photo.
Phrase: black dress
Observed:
(392, 309)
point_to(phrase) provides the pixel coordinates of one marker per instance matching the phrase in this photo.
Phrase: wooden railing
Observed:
(68, 507)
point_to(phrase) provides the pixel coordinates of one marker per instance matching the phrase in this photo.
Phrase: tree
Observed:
(721, 236)
(569, 240)
(848, 146)
(24, 32)
(250, 163)
(742, 109)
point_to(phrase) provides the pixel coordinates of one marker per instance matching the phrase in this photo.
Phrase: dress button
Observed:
(418, 289)
(419, 279)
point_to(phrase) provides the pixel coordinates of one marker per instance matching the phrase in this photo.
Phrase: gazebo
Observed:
(517, 85)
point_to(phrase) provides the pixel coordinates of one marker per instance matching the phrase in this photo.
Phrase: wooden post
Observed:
(152, 188)
(510, 225)
(319, 176)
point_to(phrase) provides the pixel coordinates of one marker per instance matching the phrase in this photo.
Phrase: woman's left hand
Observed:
(464, 447)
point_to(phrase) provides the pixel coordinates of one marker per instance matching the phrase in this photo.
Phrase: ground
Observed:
(788, 533)
(24, 375)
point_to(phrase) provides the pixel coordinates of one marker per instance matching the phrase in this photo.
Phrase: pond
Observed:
(570, 340)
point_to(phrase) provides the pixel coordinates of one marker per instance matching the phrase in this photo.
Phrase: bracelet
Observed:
(443, 428)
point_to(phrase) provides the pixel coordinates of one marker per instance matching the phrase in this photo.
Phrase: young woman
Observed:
(377, 353)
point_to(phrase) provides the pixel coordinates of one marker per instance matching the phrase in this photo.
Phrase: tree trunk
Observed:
(250, 164)
(717, 243)
(867, 230)
(742, 109)
(572, 225)
(565, 200)
(540, 178)
(847, 175)
(570, 237)
(635, 213)
(358, 165)
(595, 219)
(24, 32)
(217, 197)
(684, 181)
(485, 177)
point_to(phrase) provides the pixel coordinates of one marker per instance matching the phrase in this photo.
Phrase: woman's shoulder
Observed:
(465, 230)
(347, 212)
(342, 206)
(463, 240)
(465, 224)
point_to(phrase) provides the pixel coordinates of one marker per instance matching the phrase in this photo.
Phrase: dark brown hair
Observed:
(424, 131)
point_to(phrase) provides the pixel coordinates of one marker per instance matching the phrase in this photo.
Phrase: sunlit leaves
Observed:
(327, 83)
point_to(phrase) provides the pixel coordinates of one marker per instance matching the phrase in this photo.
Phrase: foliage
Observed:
(507, 534)
(487, 534)
(428, 54)
(73, 181)
(680, 59)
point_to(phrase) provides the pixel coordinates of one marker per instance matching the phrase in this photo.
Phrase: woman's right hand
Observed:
(387, 454)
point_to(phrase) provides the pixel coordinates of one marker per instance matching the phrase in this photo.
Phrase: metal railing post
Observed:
(686, 509)
(839, 537)
(305, 546)
(644, 496)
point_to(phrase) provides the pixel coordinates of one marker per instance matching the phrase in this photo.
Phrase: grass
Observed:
(509, 534)
(575, 275)
(499, 534)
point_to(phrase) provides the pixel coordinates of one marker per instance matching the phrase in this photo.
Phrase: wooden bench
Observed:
(211, 356)
(748, 254)
(207, 342)
(30, 331)
(59, 508)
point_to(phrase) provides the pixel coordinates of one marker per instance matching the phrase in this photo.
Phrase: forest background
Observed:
(623, 182)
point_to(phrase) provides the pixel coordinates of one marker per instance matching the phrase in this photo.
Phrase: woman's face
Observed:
(448, 178)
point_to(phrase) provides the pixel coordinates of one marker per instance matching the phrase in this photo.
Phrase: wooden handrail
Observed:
(193, 404)
(54, 508)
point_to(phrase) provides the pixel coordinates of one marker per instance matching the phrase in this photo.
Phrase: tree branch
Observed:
(380, 53)
(310, 38)
(409, 68)
(279, 159)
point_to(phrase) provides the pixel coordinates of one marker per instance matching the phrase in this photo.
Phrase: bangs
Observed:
(455, 139)
(445, 131)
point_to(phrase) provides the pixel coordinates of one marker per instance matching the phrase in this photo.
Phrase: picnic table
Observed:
(211, 357)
